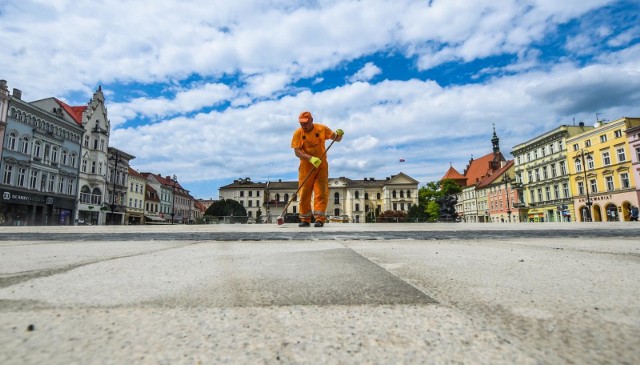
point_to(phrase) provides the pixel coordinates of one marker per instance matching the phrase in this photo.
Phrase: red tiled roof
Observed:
(496, 174)
(480, 168)
(135, 173)
(74, 111)
(453, 174)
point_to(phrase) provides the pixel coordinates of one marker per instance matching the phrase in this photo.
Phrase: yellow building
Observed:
(541, 173)
(136, 197)
(601, 172)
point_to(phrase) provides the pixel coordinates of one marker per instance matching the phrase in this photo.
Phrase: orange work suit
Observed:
(312, 143)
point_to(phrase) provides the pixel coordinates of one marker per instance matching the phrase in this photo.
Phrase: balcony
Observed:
(87, 198)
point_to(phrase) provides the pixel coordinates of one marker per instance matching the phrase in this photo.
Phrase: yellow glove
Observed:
(339, 132)
(315, 161)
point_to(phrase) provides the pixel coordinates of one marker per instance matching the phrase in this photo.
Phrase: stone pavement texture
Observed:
(342, 294)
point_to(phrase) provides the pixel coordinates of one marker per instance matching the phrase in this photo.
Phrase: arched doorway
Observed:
(585, 216)
(597, 213)
(626, 211)
(612, 212)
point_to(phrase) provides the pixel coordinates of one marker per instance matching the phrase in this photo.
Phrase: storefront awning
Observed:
(154, 218)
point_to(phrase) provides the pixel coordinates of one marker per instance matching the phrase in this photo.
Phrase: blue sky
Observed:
(210, 90)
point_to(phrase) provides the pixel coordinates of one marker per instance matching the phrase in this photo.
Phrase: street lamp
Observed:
(113, 192)
(506, 179)
(173, 204)
(586, 183)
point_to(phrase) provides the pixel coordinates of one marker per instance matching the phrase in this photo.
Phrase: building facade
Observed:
(356, 201)
(541, 171)
(135, 198)
(601, 172)
(39, 165)
(4, 107)
(117, 185)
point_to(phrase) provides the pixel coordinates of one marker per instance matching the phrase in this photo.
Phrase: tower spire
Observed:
(495, 141)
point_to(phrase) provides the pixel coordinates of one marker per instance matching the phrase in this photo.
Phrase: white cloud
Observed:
(366, 73)
(251, 54)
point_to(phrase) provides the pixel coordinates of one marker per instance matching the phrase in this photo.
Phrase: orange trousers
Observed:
(318, 184)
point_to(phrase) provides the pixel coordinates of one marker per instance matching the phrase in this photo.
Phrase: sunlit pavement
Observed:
(548, 293)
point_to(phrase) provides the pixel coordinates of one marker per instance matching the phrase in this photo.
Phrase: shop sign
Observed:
(23, 198)
(595, 198)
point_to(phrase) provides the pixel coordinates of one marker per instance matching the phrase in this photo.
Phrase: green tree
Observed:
(428, 195)
(259, 215)
(226, 208)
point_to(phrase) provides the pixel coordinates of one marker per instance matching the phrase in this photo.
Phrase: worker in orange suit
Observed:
(308, 143)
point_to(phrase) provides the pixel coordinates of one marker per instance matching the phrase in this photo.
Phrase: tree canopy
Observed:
(428, 207)
(226, 208)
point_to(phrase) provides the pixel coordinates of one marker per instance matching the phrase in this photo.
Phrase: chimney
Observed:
(17, 93)
(3, 84)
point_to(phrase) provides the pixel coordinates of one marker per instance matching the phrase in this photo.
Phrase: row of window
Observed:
(603, 138)
(35, 179)
(44, 125)
(606, 159)
(544, 172)
(540, 152)
(39, 149)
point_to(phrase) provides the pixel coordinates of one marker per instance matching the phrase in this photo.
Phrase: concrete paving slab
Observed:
(406, 293)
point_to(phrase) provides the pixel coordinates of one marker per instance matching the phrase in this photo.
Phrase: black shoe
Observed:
(304, 224)
(318, 224)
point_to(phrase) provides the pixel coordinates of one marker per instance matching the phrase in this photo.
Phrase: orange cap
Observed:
(305, 117)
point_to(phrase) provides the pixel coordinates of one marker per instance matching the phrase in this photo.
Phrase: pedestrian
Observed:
(308, 144)
(634, 213)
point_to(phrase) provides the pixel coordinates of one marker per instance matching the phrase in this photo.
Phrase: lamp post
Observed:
(113, 192)
(506, 179)
(586, 183)
(173, 204)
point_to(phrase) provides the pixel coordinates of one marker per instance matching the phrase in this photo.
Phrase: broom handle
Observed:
(304, 181)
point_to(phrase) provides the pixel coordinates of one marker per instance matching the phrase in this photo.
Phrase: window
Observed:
(8, 175)
(539, 194)
(556, 191)
(593, 185)
(70, 190)
(22, 177)
(357, 195)
(36, 149)
(624, 181)
(544, 173)
(548, 192)
(603, 138)
(241, 193)
(54, 154)
(11, 141)
(535, 154)
(606, 159)
(530, 173)
(33, 180)
(250, 203)
(408, 193)
(258, 193)
(393, 195)
(61, 185)
(609, 182)
(560, 146)
(72, 161)
(65, 157)
(617, 133)
(25, 145)
(537, 174)
(86, 141)
(565, 190)
(336, 198)
(580, 188)
(357, 207)
(402, 193)
(378, 196)
(395, 206)
(554, 172)
(563, 168)
(551, 149)
(95, 144)
(590, 164)
(93, 167)
(84, 165)
(576, 147)
(621, 155)
(52, 182)
(587, 143)
(250, 193)
(578, 165)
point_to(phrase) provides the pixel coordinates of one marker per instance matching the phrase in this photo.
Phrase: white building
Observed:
(356, 201)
